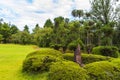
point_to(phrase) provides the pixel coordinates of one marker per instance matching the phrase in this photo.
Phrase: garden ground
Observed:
(11, 58)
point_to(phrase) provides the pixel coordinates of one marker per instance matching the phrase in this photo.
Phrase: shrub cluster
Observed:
(86, 58)
(102, 71)
(67, 70)
(106, 51)
(60, 69)
(40, 61)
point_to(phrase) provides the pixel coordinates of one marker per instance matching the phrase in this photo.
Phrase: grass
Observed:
(11, 58)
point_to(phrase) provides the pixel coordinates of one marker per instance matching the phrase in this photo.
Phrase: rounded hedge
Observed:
(86, 58)
(46, 51)
(41, 60)
(106, 51)
(102, 71)
(67, 71)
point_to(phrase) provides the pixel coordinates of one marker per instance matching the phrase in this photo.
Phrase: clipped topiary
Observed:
(102, 71)
(41, 60)
(106, 51)
(46, 51)
(67, 71)
(74, 44)
(87, 58)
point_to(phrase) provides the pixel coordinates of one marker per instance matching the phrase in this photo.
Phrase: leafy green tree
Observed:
(56, 35)
(77, 13)
(13, 29)
(80, 13)
(36, 29)
(25, 38)
(103, 10)
(48, 23)
(41, 36)
(21, 37)
(74, 13)
(5, 32)
(26, 28)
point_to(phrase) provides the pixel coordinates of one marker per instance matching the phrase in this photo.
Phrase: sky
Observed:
(32, 12)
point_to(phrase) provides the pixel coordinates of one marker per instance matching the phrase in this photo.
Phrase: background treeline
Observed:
(99, 26)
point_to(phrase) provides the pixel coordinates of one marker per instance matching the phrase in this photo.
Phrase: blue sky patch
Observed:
(30, 1)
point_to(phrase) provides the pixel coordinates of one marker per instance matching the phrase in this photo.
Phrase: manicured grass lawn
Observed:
(11, 58)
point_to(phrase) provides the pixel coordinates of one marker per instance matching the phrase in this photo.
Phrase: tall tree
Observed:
(5, 32)
(80, 13)
(103, 10)
(48, 23)
(26, 28)
(13, 29)
(36, 29)
(74, 13)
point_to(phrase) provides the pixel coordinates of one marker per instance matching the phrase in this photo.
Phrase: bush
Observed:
(40, 61)
(86, 58)
(106, 51)
(68, 56)
(67, 71)
(89, 58)
(102, 71)
(116, 61)
(46, 51)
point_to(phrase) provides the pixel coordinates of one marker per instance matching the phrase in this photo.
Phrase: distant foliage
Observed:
(67, 70)
(106, 51)
(102, 71)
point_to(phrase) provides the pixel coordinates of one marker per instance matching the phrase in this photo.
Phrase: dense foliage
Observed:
(67, 70)
(87, 58)
(40, 61)
(106, 51)
(91, 28)
(102, 71)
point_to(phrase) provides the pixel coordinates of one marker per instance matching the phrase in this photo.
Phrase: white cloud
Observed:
(21, 12)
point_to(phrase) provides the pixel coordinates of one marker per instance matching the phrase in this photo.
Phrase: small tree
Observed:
(75, 46)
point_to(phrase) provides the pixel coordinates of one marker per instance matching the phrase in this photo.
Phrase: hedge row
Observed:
(87, 58)
(111, 51)
(59, 68)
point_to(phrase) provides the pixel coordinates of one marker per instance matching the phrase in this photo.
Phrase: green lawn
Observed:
(11, 58)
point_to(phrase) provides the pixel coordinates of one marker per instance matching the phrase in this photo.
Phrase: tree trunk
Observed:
(77, 56)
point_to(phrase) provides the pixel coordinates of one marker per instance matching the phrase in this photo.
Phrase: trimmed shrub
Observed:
(40, 61)
(74, 44)
(46, 51)
(89, 58)
(106, 51)
(67, 71)
(86, 58)
(102, 71)
(68, 56)
(116, 61)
